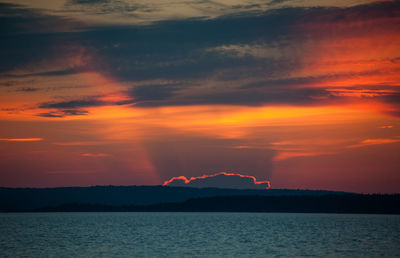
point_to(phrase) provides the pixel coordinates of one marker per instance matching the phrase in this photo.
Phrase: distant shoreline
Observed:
(213, 200)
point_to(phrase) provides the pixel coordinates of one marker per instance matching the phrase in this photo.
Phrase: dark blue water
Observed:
(198, 235)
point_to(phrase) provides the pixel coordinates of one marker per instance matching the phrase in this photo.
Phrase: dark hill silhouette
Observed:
(33, 198)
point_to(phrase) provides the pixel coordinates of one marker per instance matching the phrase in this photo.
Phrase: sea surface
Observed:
(133, 234)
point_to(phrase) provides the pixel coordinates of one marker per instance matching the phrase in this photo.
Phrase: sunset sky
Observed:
(305, 94)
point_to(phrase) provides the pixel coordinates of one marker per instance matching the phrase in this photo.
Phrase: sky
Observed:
(302, 94)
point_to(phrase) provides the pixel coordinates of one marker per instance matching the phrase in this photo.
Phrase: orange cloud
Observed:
(95, 155)
(21, 139)
(308, 142)
(82, 143)
(287, 155)
(378, 141)
(242, 147)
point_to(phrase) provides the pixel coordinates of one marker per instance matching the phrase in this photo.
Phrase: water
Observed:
(198, 235)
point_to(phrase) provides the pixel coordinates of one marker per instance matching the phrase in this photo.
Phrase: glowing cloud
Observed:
(95, 155)
(21, 139)
(287, 155)
(369, 142)
(220, 180)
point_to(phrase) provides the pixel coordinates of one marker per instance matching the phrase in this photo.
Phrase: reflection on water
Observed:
(198, 234)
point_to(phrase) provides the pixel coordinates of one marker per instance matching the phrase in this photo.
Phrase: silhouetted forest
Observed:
(33, 198)
(224, 200)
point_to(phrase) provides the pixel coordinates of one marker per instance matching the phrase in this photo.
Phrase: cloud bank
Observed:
(310, 56)
(220, 180)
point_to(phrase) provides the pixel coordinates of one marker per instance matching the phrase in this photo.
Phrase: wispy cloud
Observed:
(297, 148)
(386, 126)
(80, 143)
(288, 155)
(377, 141)
(64, 113)
(95, 155)
(21, 139)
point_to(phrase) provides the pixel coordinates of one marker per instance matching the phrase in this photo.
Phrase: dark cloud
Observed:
(154, 92)
(283, 82)
(7, 84)
(73, 104)
(249, 97)
(89, 1)
(61, 72)
(73, 112)
(50, 114)
(244, 7)
(64, 113)
(273, 2)
(28, 89)
(180, 50)
(365, 12)
(185, 50)
(28, 36)
(220, 180)
(17, 20)
(105, 6)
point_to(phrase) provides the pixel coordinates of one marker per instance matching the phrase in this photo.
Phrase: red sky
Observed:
(106, 94)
